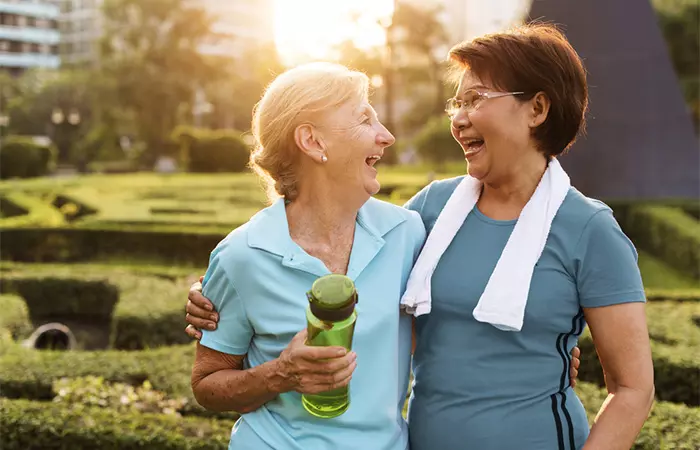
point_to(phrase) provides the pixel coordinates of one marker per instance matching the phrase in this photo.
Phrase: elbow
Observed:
(204, 393)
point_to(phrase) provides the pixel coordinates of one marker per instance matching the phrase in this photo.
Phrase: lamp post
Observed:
(58, 118)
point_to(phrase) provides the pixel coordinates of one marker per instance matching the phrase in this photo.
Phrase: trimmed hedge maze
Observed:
(113, 256)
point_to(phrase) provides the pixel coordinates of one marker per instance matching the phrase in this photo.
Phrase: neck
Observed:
(321, 215)
(517, 186)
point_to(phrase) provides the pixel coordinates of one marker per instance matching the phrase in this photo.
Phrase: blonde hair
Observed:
(287, 102)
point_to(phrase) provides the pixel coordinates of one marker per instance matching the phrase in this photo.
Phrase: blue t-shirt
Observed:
(477, 387)
(258, 278)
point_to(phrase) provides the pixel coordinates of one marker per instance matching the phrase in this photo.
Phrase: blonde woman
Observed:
(318, 139)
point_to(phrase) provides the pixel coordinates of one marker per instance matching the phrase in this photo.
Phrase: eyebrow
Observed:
(471, 88)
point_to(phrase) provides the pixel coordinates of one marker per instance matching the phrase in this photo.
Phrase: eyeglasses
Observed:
(471, 101)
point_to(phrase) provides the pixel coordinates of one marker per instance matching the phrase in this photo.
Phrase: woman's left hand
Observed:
(575, 363)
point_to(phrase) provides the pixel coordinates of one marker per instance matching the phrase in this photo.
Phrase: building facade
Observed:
(29, 35)
(81, 29)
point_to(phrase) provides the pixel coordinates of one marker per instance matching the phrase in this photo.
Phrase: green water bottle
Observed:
(330, 319)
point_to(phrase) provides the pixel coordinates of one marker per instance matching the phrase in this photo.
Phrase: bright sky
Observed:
(308, 29)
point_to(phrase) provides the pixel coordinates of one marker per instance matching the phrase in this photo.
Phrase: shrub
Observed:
(95, 391)
(31, 425)
(15, 317)
(435, 143)
(145, 311)
(23, 157)
(84, 244)
(675, 339)
(212, 150)
(669, 426)
(665, 232)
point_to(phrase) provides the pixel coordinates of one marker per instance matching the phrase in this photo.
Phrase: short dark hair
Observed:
(533, 58)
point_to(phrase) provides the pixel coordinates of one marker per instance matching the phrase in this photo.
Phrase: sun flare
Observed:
(309, 29)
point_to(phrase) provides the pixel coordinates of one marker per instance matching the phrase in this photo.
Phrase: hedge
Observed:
(675, 342)
(38, 212)
(138, 311)
(83, 244)
(14, 321)
(204, 150)
(666, 232)
(46, 425)
(23, 157)
(669, 426)
(32, 425)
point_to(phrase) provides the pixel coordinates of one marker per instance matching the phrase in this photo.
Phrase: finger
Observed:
(573, 383)
(299, 338)
(315, 353)
(201, 313)
(331, 366)
(193, 332)
(201, 279)
(196, 297)
(576, 352)
(327, 383)
(200, 323)
(575, 362)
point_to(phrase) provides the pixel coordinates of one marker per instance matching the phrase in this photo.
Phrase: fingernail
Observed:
(213, 317)
(342, 352)
(208, 307)
(211, 326)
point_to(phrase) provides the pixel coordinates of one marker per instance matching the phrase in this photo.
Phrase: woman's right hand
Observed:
(310, 370)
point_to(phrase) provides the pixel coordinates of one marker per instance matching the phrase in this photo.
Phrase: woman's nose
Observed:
(385, 138)
(461, 120)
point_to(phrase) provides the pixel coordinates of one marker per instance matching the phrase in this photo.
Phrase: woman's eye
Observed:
(367, 120)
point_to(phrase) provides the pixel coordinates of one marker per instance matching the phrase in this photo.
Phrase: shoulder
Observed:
(385, 217)
(577, 211)
(432, 198)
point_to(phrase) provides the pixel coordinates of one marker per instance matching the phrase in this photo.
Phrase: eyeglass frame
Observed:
(481, 95)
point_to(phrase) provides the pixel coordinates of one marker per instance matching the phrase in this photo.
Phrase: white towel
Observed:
(502, 304)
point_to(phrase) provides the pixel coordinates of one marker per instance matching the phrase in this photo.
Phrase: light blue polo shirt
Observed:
(258, 278)
(480, 388)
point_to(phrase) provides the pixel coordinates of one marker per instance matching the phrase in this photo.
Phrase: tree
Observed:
(422, 41)
(151, 51)
(435, 143)
(55, 104)
(679, 21)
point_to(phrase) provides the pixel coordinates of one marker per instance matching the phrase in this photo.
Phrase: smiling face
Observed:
(352, 139)
(496, 134)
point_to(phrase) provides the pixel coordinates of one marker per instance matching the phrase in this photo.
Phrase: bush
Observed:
(31, 425)
(14, 320)
(435, 143)
(669, 426)
(205, 150)
(22, 157)
(665, 232)
(145, 311)
(675, 340)
(84, 244)
(95, 391)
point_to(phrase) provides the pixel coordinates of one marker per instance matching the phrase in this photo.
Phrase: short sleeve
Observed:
(234, 331)
(607, 272)
(417, 202)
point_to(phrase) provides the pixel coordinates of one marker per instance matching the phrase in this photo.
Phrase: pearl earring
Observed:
(324, 158)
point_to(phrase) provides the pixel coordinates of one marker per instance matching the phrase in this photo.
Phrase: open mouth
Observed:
(372, 160)
(472, 146)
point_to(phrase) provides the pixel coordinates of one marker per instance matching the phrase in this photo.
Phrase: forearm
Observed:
(242, 391)
(620, 419)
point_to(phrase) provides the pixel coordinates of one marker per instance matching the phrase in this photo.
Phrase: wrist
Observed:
(278, 379)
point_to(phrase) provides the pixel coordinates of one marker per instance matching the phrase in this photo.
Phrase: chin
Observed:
(372, 187)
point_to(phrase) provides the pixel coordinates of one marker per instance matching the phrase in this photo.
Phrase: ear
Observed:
(309, 141)
(540, 109)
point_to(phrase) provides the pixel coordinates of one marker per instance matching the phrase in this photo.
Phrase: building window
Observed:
(31, 22)
(4, 46)
(21, 21)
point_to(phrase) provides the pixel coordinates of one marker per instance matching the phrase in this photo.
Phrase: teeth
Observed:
(375, 157)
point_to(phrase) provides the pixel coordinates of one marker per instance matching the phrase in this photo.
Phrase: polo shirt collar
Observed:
(269, 231)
